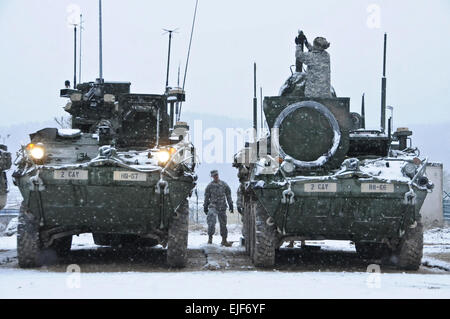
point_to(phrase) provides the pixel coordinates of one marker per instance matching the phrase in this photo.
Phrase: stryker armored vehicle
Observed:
(320, 174)
(122, 172)
(5, 164)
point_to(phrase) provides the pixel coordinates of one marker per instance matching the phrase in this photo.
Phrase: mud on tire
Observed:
(408, 255)
(29, 246)
(178, 237)
(264, 243)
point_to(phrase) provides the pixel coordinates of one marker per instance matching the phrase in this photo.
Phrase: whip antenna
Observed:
(188, 55)
(81, 39)
(100, 39)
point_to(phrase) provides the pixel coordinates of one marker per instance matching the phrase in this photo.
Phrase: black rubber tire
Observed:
(264, 245)
(61, 246)
(370, 251)
(29, 246)
(246, 229)
(178, 237)
(408, 255)
(251, 228)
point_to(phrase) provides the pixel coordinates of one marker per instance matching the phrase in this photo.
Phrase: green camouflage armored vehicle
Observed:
(122, 172)
(5, 164)
(319, 174)
(118, 173)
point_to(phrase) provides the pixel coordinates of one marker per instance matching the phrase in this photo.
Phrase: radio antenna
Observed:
(188, 55)
(81, 39)
(383, 89)
(100, 40)
(168, 58)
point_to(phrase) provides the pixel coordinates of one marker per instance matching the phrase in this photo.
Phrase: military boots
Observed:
(225, 243)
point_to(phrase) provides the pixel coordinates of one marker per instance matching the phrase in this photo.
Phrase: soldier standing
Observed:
(318, 74)
(217, 195)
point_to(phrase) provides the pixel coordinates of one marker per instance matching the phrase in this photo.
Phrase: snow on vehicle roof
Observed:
(69, 132)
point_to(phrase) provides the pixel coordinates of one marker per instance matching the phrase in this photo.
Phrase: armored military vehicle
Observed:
(320, 174)
(117, 173)
(122, 172)
(5, 164)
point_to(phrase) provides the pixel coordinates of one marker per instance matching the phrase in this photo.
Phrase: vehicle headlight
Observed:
(165, 155)
(36, 151)
(288, 167)
(409, 170)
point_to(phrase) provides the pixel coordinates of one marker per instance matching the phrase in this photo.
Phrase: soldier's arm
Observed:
(240, 200)
(308, 45)
(207, 197)
(304, 57)
(228, 195)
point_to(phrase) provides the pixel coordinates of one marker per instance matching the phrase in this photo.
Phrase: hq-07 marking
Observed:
(130, 176)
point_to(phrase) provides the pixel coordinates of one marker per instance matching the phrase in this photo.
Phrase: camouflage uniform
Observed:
(240, 198)
(5, 164)
(318, 74)
(217, 194)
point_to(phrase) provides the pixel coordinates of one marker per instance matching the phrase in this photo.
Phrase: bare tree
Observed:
(63, 122)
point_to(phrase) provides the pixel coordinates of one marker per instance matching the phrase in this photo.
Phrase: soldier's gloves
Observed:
(205, 209)
(231, 209)
(240, 210)
(301, 38)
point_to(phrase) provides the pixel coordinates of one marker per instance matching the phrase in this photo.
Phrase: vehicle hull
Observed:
(345, 213)
(102, 204)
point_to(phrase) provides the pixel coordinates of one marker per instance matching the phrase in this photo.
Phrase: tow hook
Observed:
(36, 183)
(288, 197)
(165, 186)
(413, 225)
(410, 197)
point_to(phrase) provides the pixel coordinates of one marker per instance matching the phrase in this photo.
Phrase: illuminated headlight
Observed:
(76, 97)
(164, 155)
(287, 167)
(409, 170)
(109, 98)
(36, 151)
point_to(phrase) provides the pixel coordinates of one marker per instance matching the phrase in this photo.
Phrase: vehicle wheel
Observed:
(409, 253)
(62, 246)
(251, 228)
(370, 250)
(29, 246)
(178, 237)
(264, 239)
(246, 229)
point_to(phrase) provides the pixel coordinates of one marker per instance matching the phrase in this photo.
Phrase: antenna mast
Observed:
(188, 55)
(383, 89)
(100, 41)
(74, 56)
(168, 58)
(81, 38)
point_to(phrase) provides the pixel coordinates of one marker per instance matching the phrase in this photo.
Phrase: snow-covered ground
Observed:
(227, 281)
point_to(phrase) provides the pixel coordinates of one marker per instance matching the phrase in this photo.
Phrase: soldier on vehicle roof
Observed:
(318, 74)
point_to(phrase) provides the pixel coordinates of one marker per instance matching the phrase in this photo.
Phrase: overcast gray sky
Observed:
(36, 52)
